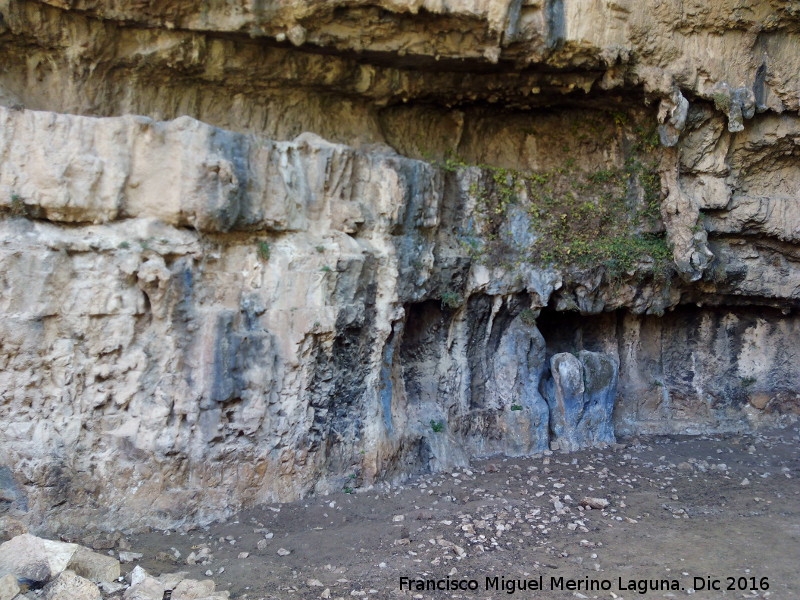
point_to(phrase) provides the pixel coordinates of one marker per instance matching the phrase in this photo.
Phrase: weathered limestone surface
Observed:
(517, 369)
(69, 586)
(34, 560)
(147, 589)
(581, 398)
(9, 587)
(693, 369)
(253, 250)
(235, 63)
(94, 566)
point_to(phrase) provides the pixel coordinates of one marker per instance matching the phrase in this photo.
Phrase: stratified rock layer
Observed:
(342, 242)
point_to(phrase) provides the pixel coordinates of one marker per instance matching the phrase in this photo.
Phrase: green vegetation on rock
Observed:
(577, 218)
(264, 251)
(437, 426)
(452, 300)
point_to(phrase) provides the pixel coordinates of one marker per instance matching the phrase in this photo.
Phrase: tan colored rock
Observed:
(560, 35)
(147, 589)
(596, 503)
(111, 587)
(69, 586)
(11, 527)
(94, 566)
(681, 213)
(171, 580)
(191, 589)
(339, 235)
(34, 558)
(759, 400)
(8, 587)
(710, 192)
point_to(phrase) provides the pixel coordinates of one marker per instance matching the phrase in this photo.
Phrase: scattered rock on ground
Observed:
(69, 586)
(126, 556)
(111, 587)
(191, 589)
(171, 580)
(148, 588)
(596, 503)
(11, 527)
(137, 575)
(8, 587)
(94, 566)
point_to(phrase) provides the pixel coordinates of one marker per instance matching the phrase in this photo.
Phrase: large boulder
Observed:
(34, 560)
(8, 587)
(580, 395)
(93, 565)
(69, 586)
(191, 589)
(149, 588)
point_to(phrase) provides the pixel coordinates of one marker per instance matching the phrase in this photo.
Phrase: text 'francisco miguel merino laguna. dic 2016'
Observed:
(513, 585)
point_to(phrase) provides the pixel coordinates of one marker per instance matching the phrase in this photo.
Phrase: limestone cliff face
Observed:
(252, 250)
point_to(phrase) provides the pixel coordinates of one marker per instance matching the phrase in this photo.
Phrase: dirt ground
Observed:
(715, 507)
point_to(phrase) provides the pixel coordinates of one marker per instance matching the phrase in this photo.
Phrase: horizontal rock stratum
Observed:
(254, 251)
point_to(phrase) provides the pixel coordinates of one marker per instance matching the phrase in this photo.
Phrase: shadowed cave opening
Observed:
(691, 368)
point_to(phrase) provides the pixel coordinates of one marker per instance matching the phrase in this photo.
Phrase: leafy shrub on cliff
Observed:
(451, 300)
(437, 426)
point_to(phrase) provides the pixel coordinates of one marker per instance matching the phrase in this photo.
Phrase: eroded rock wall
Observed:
(694, 369)
(255, 250)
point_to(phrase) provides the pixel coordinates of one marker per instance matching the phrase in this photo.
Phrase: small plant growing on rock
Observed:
(718, 273)
(722, 101)
(604, 176)
(325, 269)
(747, 381)
(347, 489)
(451, 300)
(437, 426)
(17, 206)
(264, 251)
(516, 407)
(528, 317)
